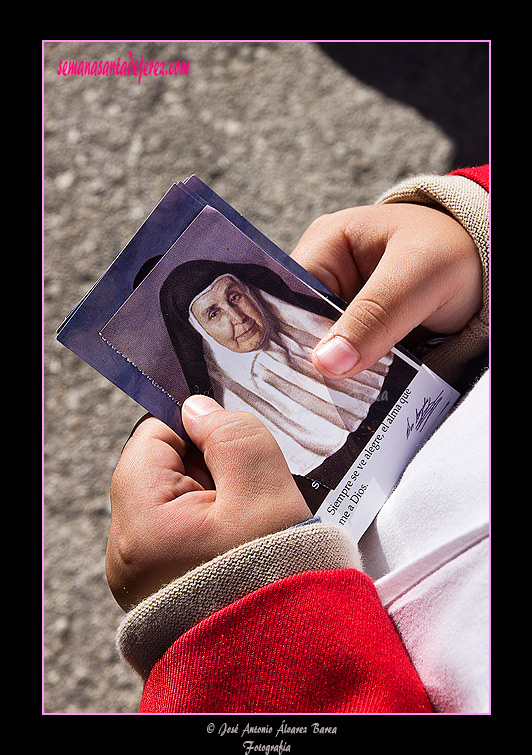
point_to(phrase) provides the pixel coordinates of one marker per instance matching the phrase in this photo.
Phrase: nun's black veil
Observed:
(188, 280)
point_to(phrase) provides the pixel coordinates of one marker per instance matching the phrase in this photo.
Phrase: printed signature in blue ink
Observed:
(423, 413)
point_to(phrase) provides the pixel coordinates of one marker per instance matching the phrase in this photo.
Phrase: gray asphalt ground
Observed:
(285, 132)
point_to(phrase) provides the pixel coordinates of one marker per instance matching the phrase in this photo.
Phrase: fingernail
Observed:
(198, 406)
(336, 356)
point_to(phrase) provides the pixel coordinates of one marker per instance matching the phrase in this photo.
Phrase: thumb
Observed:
(243, 458)
(387, 307)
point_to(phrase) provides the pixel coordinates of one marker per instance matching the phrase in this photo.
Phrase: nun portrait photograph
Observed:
(242, 336)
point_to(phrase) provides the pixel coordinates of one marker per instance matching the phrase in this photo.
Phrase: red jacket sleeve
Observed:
(480, 175)
(313, 642)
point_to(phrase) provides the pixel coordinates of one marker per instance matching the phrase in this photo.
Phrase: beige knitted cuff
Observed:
(468, 202)
(150, 628)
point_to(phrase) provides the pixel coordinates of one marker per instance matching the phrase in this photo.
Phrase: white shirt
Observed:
(428, 552)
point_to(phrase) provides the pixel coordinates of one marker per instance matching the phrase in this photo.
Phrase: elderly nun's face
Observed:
(227, 312)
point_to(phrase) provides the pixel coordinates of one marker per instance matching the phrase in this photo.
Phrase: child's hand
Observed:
(171, 511)
(398, 266)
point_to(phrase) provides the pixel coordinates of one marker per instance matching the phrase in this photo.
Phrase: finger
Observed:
(150, 429)
(388, 306)
(343, 249)
(246, 463)
(325, 251)
(157, 441)
(152, 450)
(154, 468)
(236, 446)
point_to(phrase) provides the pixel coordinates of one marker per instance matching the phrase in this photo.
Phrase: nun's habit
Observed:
(309, 416)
